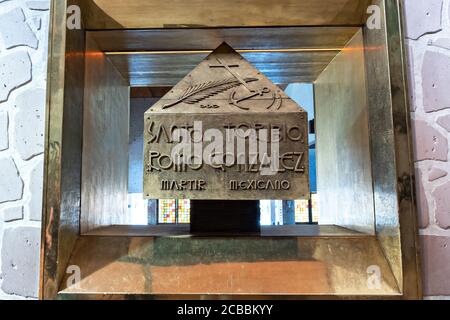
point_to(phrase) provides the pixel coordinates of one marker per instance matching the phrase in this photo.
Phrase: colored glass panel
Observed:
(184, 211)
(315, 207)
(301, 211)
(167, 211)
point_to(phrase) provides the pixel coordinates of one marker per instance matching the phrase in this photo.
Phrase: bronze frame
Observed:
(60, 224)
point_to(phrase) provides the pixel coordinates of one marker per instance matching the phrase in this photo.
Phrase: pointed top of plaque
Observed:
(225, 82)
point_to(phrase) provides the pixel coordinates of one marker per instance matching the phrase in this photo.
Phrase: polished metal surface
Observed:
(171, 230)
(144, 14)
(167, 68)
(62, 166)
(105, 143)
(344, 176)
(392, 165)
(222, 95)
(230, 266)
(164, 57)
(196, 39)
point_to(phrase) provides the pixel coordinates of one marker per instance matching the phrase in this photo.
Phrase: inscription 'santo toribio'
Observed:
(226, 132)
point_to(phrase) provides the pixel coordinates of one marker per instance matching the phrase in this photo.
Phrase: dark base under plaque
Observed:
(234, 217)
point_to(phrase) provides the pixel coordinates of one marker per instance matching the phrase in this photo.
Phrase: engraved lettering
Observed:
(291, 133)
(169, 163)
(153, 155)
(285, 185)
(299, 167)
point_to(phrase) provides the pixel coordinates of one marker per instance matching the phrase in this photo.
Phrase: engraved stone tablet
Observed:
(226, 132)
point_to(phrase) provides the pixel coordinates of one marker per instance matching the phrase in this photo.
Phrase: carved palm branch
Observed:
(201, 91)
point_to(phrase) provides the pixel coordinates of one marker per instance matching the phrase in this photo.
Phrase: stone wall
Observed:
(428, 43)
(23, 57)
(23, 69)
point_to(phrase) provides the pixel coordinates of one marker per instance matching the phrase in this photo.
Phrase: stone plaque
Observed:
(226, 132)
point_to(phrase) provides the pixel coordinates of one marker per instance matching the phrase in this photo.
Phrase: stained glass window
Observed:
(301, 211)
(304, 209)
(179, 211)
(184, 211)
(315, 207)
(167, 211)
(174, 211)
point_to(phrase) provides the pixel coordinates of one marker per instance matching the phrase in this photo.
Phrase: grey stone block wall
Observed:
(23, 69)
(428, 44)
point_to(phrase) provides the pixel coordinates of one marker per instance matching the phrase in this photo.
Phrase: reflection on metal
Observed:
(146, 69)
(391, 149)
(62, 160)
(105, 141)
(226, 94)
(144, 14)
(164, 57)
(261, 266)
(131, 53)
(344, 177)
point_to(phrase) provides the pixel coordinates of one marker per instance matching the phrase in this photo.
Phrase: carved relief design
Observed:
(276, 98)
(253, 92)
(199, 92)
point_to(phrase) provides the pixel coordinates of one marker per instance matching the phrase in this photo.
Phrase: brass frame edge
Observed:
(52, 161)
(408, 219)
(53, 134)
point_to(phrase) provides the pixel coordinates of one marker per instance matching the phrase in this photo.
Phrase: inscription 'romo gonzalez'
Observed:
(253, 149)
